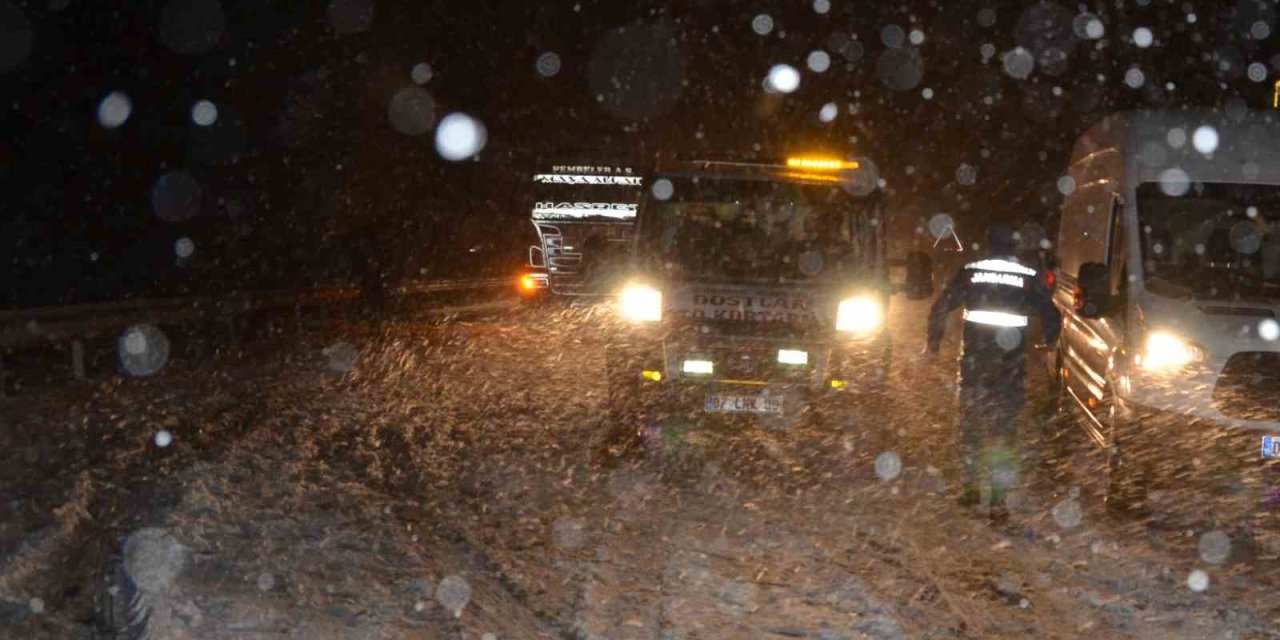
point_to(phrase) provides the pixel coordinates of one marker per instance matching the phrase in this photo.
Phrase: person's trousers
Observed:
(988, 436)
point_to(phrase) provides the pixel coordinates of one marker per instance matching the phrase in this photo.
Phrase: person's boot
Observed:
(998, 514)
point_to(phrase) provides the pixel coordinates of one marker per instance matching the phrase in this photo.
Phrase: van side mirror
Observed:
(919, 285)
(1093, 290)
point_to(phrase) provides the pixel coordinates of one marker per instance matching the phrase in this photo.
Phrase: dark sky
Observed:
(323, 142)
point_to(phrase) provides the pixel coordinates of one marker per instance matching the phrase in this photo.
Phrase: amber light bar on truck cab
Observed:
(814, 163)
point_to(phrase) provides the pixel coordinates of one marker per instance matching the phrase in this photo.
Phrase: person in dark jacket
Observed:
(997, 292)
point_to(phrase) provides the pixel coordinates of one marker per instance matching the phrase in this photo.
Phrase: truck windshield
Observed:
(1216, 241)
(714, 228)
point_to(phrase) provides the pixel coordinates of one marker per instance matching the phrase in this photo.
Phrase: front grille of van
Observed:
(1249, 386)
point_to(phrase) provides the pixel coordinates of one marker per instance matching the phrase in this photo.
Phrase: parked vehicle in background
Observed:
(1169, 284)
(584, 216)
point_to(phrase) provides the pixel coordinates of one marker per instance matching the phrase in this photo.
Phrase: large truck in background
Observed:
(584, 216)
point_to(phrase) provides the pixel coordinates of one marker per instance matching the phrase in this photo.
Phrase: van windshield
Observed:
(1215, 241)
(714, 228)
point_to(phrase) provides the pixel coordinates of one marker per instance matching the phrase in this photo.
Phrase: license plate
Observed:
(744, 404)
(1271, 447)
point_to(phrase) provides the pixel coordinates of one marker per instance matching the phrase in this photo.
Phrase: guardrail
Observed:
(20, 328)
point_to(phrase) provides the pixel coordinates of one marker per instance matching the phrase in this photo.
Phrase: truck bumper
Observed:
(654, 372)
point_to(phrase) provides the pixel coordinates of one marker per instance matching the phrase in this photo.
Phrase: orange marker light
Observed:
(527, 283)
(820, 164)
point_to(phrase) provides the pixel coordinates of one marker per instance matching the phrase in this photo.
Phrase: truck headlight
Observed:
(640, 303)
(859, 315)
(1165, 351)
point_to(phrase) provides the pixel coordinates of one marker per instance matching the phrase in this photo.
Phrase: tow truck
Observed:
(584, 215)
(756, 290)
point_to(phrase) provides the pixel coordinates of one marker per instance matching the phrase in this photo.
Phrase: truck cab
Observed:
(756, 290)
(584, 216)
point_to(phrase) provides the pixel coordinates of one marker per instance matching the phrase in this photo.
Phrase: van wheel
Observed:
(1061, 399)
(1061, 436)
(1128, 474)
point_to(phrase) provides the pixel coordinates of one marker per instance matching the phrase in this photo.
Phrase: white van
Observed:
(1169, 285)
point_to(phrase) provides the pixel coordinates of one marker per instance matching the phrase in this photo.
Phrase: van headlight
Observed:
(1165, 351)
(861, 315)
(640, 303)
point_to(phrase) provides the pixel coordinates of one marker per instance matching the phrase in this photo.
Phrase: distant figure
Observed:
(368, 264)
(996, 293)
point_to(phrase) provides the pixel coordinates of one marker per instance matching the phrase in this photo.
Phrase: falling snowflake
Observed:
(1174, 181)
(1205, 139)
(1198, 581)
(663, 189)
(114, 109)
(1143, 37)
(1019, 63)
(459, 136)
(548, 64)
(782, 78)
(184, 247)
(1134, 78)
(893, 36)
(204, 113)
(828, 112)
(1215, 547)
(421, 73)
(1269, 330)
(762, 24)
(1068, 513)
(142, 350)
(818, 61)
(454, 593)
(888, 466)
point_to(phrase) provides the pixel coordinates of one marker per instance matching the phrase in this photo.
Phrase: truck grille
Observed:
(1249, 386)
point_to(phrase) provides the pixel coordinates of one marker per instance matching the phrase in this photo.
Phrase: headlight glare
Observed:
(861, 314)
(640, 303)
(1165, 351)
